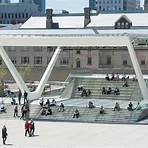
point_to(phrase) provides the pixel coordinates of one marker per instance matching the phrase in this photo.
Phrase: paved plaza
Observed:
(76, 135)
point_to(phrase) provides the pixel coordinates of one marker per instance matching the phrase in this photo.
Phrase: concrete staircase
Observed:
(34, 110)
(92, 115)
(95, 85)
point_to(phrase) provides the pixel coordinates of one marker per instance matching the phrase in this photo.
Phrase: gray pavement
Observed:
(75, 135)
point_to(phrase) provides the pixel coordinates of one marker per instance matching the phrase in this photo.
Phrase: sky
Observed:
(70, 5)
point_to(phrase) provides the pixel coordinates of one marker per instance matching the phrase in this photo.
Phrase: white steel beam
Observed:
(137, 69)
(38, 92)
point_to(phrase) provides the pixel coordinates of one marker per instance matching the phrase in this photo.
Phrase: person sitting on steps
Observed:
(107, 77)
(130, 106)
(109, 91)
(125, 84)
(61, 107)
(102, 111)
(103, 91)
(90, 104)
(117, 107)
(76, 114)
(116, 91)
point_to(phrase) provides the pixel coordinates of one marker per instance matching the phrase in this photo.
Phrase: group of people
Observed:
(24, 96)
(46, 110)
(113, 76)
(47, 103)
(46, 107)
(84, 92)
(13, 102)
(129, 108)
(116, 107)
(108, 91)
(24, 111)
(29, 128)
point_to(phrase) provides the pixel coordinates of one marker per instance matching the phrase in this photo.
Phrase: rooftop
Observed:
(77, 21)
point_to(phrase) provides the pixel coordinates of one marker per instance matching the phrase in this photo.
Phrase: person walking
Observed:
(19, 96)
(4, 134)
(15, 111)
(32, 128)
(22, 112)
(27, 128)
(25, 97)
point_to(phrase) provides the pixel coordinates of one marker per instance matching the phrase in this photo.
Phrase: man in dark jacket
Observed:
(19, 96)
(4, 134)
(25, 97)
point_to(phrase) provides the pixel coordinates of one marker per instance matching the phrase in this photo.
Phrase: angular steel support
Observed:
(19, 81)
(137, 69)
(38, 92)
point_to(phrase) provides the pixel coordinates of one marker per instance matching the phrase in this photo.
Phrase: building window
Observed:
(12, 15)
(142, 62)
(89, 61)
(15, 15)
(64, 61)
(108, 60)
(48, 60)
(23, 15)
(13, 59)
(124, 62)
(38, 49)
(24, 60)
(19, 15)
(9, 15)
(37, 60)
(78, 52)
(26, 15)
(50, 49)
(5, 15)
(126, 25)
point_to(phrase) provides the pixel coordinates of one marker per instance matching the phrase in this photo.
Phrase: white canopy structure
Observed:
(66, 38)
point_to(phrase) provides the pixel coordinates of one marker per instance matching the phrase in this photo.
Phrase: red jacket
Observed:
(27, 125)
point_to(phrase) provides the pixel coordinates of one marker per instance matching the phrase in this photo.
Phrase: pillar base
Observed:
(144, 108)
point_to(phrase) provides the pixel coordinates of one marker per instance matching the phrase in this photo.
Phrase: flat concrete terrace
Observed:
(75, 135)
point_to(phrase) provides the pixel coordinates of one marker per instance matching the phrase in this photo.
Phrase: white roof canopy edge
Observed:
(60, 41)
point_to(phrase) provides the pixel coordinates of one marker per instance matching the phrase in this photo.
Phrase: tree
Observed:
(25, 70)
(3, 72)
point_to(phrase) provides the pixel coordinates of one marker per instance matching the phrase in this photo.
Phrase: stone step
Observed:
(92, 115)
